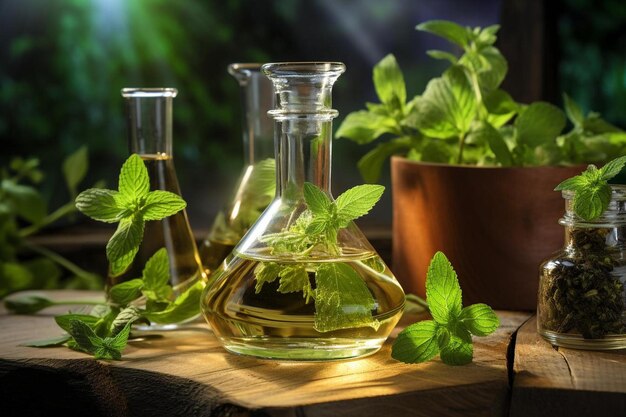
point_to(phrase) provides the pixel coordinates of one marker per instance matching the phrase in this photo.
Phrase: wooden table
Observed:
(187, 373)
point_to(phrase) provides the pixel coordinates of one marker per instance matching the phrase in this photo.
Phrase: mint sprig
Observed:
(342, 300)
(131, 206)
(450, 332)
(592, 192)
(101, 347)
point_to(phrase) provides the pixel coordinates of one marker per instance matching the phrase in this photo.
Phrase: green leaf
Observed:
(442, 55)
(459, 350)
(27, 304)
(52, 342)
(100, 204)
(591, 202)
(15, 277)
(64, 321)
(357, 202)
(539, 124)
(342, 300)
(389, 82)
(612, 168)
(479, 319)
(489, 66)
(160, 204)
(134, 182)
(573, 183)
(573, 111)
(265, 272)
(25, 200)
(125, 317)
(156, 273)
(125, 292)
(118, 342)
(75, 168)
(483, 131)
(501, 107)
(295, 279)
(443, 292)
(83, 335)
(416, 343)
(316, 200)
(447, 107)
(435, 151)
(263, 179)
(448, 30)
(371, 164)
(364, 126)
(124, 244)
(186, 306)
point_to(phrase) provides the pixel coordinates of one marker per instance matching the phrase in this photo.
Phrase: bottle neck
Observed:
(150, 125)
(258, 128)
(303, 154)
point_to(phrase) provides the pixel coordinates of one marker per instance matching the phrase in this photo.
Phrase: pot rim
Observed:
(403, 160)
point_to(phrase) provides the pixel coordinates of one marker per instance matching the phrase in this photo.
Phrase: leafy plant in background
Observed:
(105, 330)
(23, 213)
(464, 117)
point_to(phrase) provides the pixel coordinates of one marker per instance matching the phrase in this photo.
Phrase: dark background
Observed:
(63, 63)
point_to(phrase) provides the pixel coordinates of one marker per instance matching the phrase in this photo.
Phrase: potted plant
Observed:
(472, 170)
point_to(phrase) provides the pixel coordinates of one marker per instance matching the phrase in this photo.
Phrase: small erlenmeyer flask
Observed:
(149, 122)
(255, 188)
(292, 289)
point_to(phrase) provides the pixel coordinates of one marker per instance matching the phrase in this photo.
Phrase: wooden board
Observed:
(186, 372)
(552, 381)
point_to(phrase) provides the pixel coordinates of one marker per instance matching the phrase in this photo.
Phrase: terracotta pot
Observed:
(495, 225)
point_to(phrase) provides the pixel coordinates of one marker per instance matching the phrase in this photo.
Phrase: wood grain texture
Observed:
(551, 381)
(186, 372)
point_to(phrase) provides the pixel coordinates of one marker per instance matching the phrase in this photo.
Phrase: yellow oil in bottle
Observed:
(271, 324)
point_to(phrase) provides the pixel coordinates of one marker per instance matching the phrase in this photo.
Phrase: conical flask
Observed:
(256, 185)
(149, 123)
(290, 290)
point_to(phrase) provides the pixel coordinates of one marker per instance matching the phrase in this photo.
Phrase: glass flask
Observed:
(581, 300)
(256, 186)
(278, 295)
(149, 122)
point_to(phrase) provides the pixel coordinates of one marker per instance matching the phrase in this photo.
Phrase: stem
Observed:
(417, 300)
(50, 218)
(461, 147)
(55, 257)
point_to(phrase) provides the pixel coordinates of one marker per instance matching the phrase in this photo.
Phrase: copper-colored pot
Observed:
(495, 225)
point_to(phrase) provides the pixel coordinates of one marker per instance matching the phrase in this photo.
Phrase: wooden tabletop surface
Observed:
(186, 372)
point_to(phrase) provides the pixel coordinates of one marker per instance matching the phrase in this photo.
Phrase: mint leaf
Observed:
(371, 164)
(64, 321)
(156, 275)
(125, 292)
(265, 272)
(83, 335)
(134, 182)
(26, 201)
(573, 183)
(389, 82)
(443, 292)
(294, 279)
(28, 304)
(540, 123)
(125, 317)
(484, 132)
(573, 111)
(442, 55)
(479, 319)
(75, 168)
(500, 107)
(416, 343)
(160, 204)
(357, 202)
(342, 300)
(124, 244)
(612, 168)
(100, 204)
(52, 342)
(591, 202)
(489, 66)
(316, 200)
(111, 347)
(448, 30)
(184, 307)
(364, 126)
(459, 350)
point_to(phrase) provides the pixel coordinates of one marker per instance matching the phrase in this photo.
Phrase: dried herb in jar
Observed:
(581, 293)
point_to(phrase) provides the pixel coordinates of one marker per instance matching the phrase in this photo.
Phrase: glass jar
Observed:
(581, 300)
(279, 296)
(149, 123)
(255, 188)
